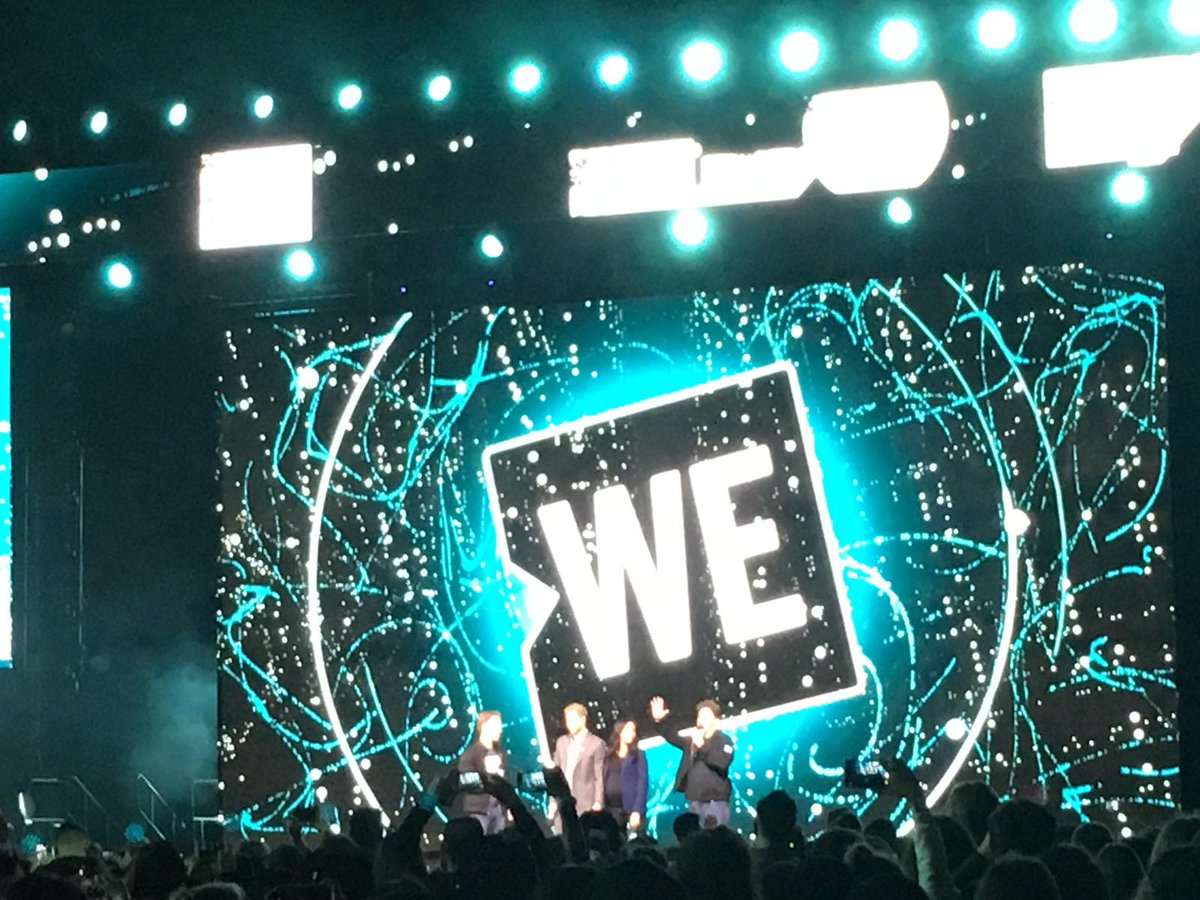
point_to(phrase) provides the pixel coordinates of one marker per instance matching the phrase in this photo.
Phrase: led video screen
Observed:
(6, 482)
(916, 517)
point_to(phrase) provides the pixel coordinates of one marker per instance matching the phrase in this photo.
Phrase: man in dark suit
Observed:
(580, 755)
(703, 773)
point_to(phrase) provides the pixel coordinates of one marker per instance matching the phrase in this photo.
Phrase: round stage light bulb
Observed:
(1184, 16)
(41, 173)
(956, 729)
(799, 51)
(690, 227)
(899, 211)
(98, 123)
(349, 97)
(996, 29)
(491, 246)
(439, 88)
(1129, 188)
(1093, 21)
(264, 105)
(20, 131)
(55, 216)
(119, 276)
(177, 115)
(300, 265)
(613, 70)
(307, 378)
(702, 60)
(526, 78)
(898, 39)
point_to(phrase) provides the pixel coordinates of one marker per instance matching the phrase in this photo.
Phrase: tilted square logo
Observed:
(677, 546)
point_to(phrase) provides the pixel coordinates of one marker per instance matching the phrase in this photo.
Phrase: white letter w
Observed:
(660, 589)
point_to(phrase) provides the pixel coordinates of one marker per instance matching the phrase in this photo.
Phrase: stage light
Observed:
(41, 173)
(1137, 112)
(20, 131)
(1093, 21)
(1128, 188)
(491, 246)
(349, 97)
(177, 115)
(300, 265)
(526, 79)
(119, 276)
(264, 105)
(256, 197)
(613, 70)
(899, 211)
(799, 51)
(135, 833)
(690, 228)
(996, 29)
(98, 122)
(1184, 16)
(439, 88)
(55, 216)
(898, 39)
(702, 60)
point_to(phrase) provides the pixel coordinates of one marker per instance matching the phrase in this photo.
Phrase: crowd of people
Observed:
(976, 847)
(493, 847)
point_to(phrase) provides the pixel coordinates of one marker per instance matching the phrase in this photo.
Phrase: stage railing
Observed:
(208, 822)
(160, 819)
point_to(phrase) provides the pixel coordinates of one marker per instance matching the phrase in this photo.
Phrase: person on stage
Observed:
(703, 773)
(484, 757)
(580, 755)
(625, 777)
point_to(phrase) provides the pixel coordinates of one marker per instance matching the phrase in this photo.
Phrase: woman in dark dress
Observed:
(625, 780)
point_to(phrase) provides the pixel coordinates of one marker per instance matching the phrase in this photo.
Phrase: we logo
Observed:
(677, 546)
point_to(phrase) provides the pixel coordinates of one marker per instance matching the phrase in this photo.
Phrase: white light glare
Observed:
(177, 115)
(1184, 16)
(256, 197)
(702, 60)
(1129, 188)
(1016, 522)
(898, 39)
(20, 131)
(996, 29)
(98, 123)
(956, 729)
(491, 246)
(799, 51)
(119, 276)
(1093, 21)
(526, 78)
(1137, 111)
(614, 70)
(349, 97)
(439, 88)
(840, 147)
(690, 227)
(899, 211)
(264, 105)
(301, 265)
